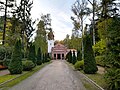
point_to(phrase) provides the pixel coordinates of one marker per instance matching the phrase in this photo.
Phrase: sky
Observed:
(60, 11)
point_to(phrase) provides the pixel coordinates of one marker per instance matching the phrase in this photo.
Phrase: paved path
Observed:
(4, 72)
(55, 76)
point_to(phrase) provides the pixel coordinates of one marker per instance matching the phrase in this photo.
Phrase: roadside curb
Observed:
(11, 79)
(91, 81)
(87, 78)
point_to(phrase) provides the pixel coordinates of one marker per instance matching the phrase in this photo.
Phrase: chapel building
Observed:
(59, 52)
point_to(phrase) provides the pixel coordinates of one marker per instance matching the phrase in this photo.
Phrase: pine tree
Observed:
(15, 66)
(113, 55)
(90, 66)
(39, 58)
(70, 57)
(43, 58)
(79, 55)
(32, 54)
(74, 59)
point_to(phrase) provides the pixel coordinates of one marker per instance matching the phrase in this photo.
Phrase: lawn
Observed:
(6, 78)
(98, 78)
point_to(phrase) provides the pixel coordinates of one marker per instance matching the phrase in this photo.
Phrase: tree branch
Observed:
(90, 2)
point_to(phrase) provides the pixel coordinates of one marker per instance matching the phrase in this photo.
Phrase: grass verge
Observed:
(22, 77)
(98, 78)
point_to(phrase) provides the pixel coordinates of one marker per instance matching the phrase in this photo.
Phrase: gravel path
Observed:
(4, 72)
(55, 76)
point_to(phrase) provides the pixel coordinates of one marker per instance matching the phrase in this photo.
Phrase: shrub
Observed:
(113, 78)
(79, 65)
(5, 52)
(48, 60)
(15, 66)
(112, 57)
(8, 52)
(100, 60)
(27, 65)
(2, 52)
(90, 66)
(6, 62)
(100, 47)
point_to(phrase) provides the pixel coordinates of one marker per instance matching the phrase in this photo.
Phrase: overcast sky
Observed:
(60, 11)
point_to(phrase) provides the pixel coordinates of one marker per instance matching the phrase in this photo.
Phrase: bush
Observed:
(28, 65)
(2, 52)
(113, 78)
(79, 65)
(8, 52)
(48, 60)
(100, 60)
(6, 62)
(5, 52)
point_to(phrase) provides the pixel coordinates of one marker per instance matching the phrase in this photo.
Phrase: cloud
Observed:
(61, 23)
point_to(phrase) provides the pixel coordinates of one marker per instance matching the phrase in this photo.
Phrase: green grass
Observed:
(98, 78)
(22, 77)
(6, 78)
(88, 86)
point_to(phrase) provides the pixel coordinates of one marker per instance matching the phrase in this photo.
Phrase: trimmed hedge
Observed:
(79, 65)
(28, 65)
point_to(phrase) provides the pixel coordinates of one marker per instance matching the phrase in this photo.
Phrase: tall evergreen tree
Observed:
(32, 54)
(79, 55)
(70, 57)
(89, 59)
(23, 13)
(39, 57)
(74, 59)
(113, 54)
(40, 39)
(15, 66)
(43, 58)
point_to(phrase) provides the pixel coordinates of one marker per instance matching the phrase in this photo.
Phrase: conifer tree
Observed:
(39, 58)
(113, 55)
(90, 66)
(70, 57)
(15, 66)
(32, 54)
(74, 59)
(43, 58)
(79, 55)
